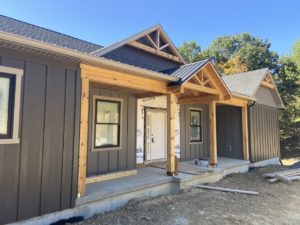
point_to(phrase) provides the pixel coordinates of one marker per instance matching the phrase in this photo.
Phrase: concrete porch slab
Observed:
(149, 182)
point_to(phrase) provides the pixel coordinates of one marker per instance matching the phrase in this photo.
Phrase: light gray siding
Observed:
(265, 96)
(264, 133)
(37, 176)
(101, 162)
(192, 151)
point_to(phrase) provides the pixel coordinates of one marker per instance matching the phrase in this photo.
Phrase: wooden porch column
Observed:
(84, 112)
(171, 104)
(245, 132)
(213, 133)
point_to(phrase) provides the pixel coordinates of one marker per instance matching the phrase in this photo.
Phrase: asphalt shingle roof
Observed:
(245, 83)
(10, 25)
(185, 71)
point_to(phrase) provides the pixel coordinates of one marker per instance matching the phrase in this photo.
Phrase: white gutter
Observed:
(83, 57)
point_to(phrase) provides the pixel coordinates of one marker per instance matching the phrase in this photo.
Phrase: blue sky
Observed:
(105, 22)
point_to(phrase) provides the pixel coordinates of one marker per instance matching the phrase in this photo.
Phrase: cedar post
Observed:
(171, 103)
(213, 133)
(84, 112)
(245, 132)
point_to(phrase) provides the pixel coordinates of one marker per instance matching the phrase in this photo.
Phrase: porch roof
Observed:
(184, 72)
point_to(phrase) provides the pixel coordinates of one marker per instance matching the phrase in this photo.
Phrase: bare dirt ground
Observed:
(277, 203)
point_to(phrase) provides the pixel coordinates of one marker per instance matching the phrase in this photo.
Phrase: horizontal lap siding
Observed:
(264, 132)
(101, 162)
(37, 176)
(191, 151)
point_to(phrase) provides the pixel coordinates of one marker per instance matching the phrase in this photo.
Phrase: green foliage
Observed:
(253, 53)
(190, 51)
(288, 77)
(296, 52)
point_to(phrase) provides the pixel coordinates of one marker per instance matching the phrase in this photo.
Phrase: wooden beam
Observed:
(110, 176)
(147, 95)
(116, 78)
(245, 132)
(198, 100)
(234, 102)
(216, 80)
(198, 80)
(152, 42)
(171, 104)
(84, 112)
(154, 51)
(176, 89)
(199, 88)
(164, 46)
(213, 133)
(267, 85)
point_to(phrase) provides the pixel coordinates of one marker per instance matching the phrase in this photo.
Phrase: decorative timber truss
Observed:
(156, 42)
(268, 82)
(205, 86)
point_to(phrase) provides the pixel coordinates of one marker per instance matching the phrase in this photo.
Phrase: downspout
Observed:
(249, 132)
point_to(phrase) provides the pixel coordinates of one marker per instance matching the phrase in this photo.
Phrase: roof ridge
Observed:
(57, 32)
(250, 71)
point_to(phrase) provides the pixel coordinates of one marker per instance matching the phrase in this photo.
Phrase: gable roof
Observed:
(20, 28)
(186, 72)
(137, 36)
(248, 83)
(245, 83)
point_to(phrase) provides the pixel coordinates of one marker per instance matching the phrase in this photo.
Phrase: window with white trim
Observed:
(195, 125)
(107, 123)
(10, 94)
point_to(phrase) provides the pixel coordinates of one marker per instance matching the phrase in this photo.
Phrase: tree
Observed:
(233, 66)
(288, 77)
(241, 52)
(296, 52)
(190, 51)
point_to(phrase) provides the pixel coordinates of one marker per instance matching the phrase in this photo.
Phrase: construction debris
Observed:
(286, 176)
(227, 190)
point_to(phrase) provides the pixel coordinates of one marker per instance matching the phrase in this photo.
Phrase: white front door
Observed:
(156, 134)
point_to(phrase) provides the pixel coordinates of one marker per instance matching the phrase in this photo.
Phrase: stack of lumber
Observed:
(286, 176)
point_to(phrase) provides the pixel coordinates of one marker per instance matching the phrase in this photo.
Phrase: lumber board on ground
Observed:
(282, 173)
(227, 190)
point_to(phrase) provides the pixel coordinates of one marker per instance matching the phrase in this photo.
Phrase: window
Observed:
(7, 90)
(107, 123)
(195, 126)
(10, 95)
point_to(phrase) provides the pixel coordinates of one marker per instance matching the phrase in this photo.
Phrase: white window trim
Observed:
(18, 73)
(97, 97)
(196, 142)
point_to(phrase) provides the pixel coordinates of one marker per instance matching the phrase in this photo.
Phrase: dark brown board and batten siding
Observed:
(190, 151)
(263, 133)
(101, 162)
(229, 132)
(39, 175)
